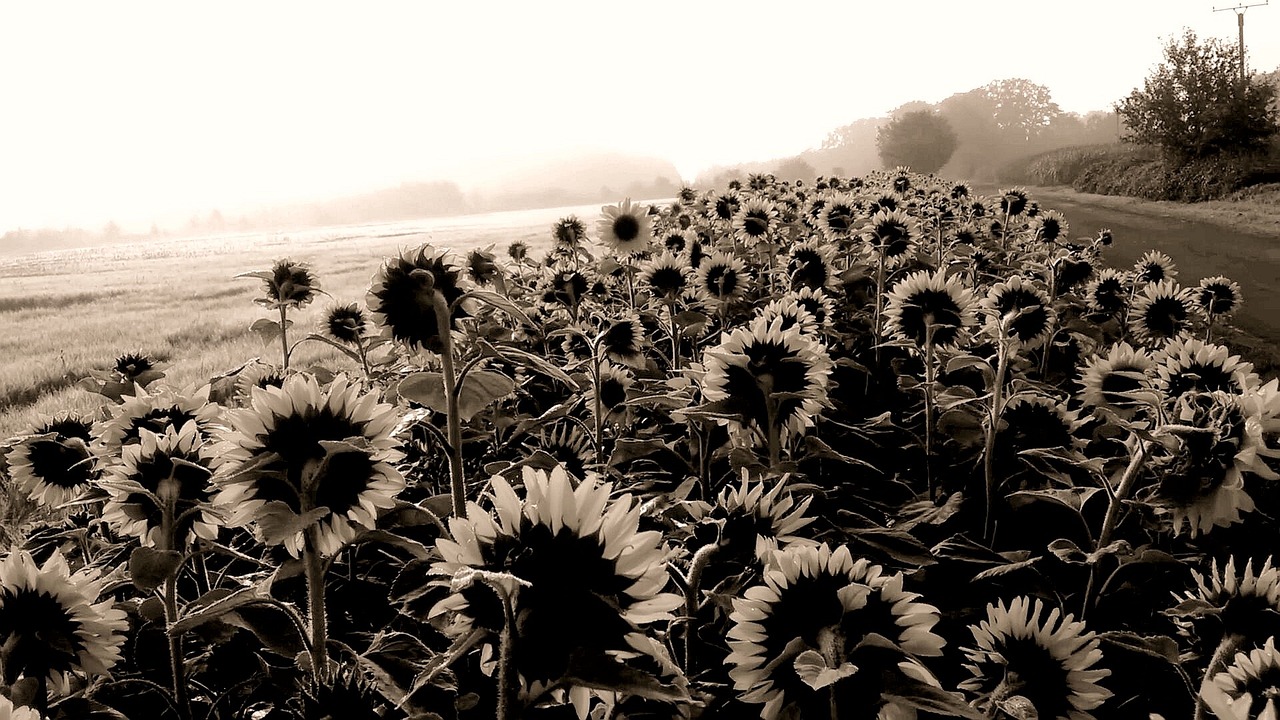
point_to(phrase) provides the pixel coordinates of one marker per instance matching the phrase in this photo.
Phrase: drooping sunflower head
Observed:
(1013, 201)
(892, 235)
(809, 265)
(56, 463)
(586, 575)
(667, 277)
(1203, 484)
(762, 374)
(287, 284)
(156, 411)
(1161, 312)
(623, 341)
(1155, 267)
(482, 266)
(1192, 365)
(1071, 271)
(625, 228)
(755, 220)
(1052, 663)
(170, 467)
(926, 307)
(1118, 380)
(1218, 296)
(402, 302)
(568, 232)
(823, 603)
(615, 383)
(50, 623)
(1108, 292)
(518, 250)
(137, 368)
(323, 454)
(1019, 311)
(721, 279)
(346, 323)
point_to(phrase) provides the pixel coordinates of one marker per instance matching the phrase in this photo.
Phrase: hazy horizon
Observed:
(150, 111)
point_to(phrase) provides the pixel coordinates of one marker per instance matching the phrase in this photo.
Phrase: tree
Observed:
(1195, 105)
(922, 140)
(1020, 108)
(795, 169)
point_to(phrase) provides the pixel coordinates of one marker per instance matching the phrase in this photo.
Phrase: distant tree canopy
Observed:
(919, 139)
(1195, 104)
(795, 169)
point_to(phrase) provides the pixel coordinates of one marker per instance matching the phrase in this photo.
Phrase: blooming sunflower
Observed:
(287, 284)
(173, 464)
(923, 300)
(725, 206)
(1037, 422)
(816, 601)
(346, 323)
(836, 215)
(1190, 365)
(751, 521)
(624, 227)
(1050, 226)
(1111, 381)
(1249, 686)
(1052, 664)
(624, 340)
(667, 277)
(721, 279)
(568, 232)
(518, 250)
(1203, 484)
(400, 296)
(156, 411)
(1161, 312)
(50, 624)
(615, 383)
(1154, 267)
(482, 266)
(273, 459)
(755, 220)
(55, 464)
(809, 265)
(792, 313)
(1025, 308)
(1108, 292)
(678, 241)
(1013, 201)
(892, 235)
(1244, 604)
(137, 368)
(756, 363)
(1218, 296)
(591, 576)
(568, 446)
(817, 303)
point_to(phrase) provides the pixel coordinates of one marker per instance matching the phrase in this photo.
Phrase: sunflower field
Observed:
(860, 448)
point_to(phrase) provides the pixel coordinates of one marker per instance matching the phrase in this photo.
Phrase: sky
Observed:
(139, 112)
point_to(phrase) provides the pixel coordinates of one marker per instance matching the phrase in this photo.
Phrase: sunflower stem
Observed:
(284, 338)
(364, 358)
(598, 415)
(773, 431)
(1224, 652)
(1112, 518)
(930, 373)
(993, 423)
(1048, 344)
(314, 563)
(168, 492)
(508, 687)
(457, 481)
(675, 337)
(691, 597)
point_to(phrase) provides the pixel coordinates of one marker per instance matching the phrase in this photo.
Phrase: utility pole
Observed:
(1239, 11)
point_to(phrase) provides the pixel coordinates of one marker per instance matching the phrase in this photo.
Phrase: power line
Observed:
(1239, 11)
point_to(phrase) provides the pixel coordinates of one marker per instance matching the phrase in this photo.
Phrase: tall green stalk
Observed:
(993, 425)
(457, 480)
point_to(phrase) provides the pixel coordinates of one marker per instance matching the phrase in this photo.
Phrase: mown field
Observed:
(870, 448)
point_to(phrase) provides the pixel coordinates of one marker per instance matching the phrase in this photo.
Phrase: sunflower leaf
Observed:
(605, 672)
(479, 389)
(214, 604)
(150, 567)
(500, 302)
(278, 522)
(268, 330)
(812, 669)
(425, 388)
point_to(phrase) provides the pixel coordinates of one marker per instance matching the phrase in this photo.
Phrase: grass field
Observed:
(67, 312)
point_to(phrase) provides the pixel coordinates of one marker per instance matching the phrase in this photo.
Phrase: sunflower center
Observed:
(1165, 317)
(1037, 675)
(1200, 377)
(1118, 381)
(807, 269)
(612, 393)
(1031, 425)
(1152, 272)
(755, 223)
(931, 307)
(66, 464)
(626, 228)
(38, 634)
(839, 218)
(722, 281)
(157, 421)
(1032, 317)
(668, 281)
(771, 368)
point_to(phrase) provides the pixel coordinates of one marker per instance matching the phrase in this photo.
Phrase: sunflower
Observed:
(568, 232)
(1245, 604)
(1161, 312)
(960, 191)
(1052, 664)
(615, 383)
(901, 180)
(1249, 686)
(725, 206)
(1154, 267)
(624, 340)
(1013, 201)
(817, 303)
(1050, 226)
(755, 364)
(256, 374)
(55, 464)
(50, 624)
(518, 250)
(1037, 422)
(346, 323)
(835, 215)
(721, 279)
(1190, 365)
(678, 241)
(624, 227)
(667, 277)
(589, 577)
(482, 266)
(809, 265)
(750, 521)
(156, 411)
(1108, 292)
(569, 446)
(1070, 272)
(174, 464)
(892, 235)
(820, 603)
(755, 220)
(400, 298)
(274, 461)
(792, 313)
(137, 368)
(9, 712)
(1113, 380)
(1019, 310)
(1218, 296)
(925, 300)
(287, 284)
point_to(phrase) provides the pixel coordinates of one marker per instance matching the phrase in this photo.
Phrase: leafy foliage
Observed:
(921, 140)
